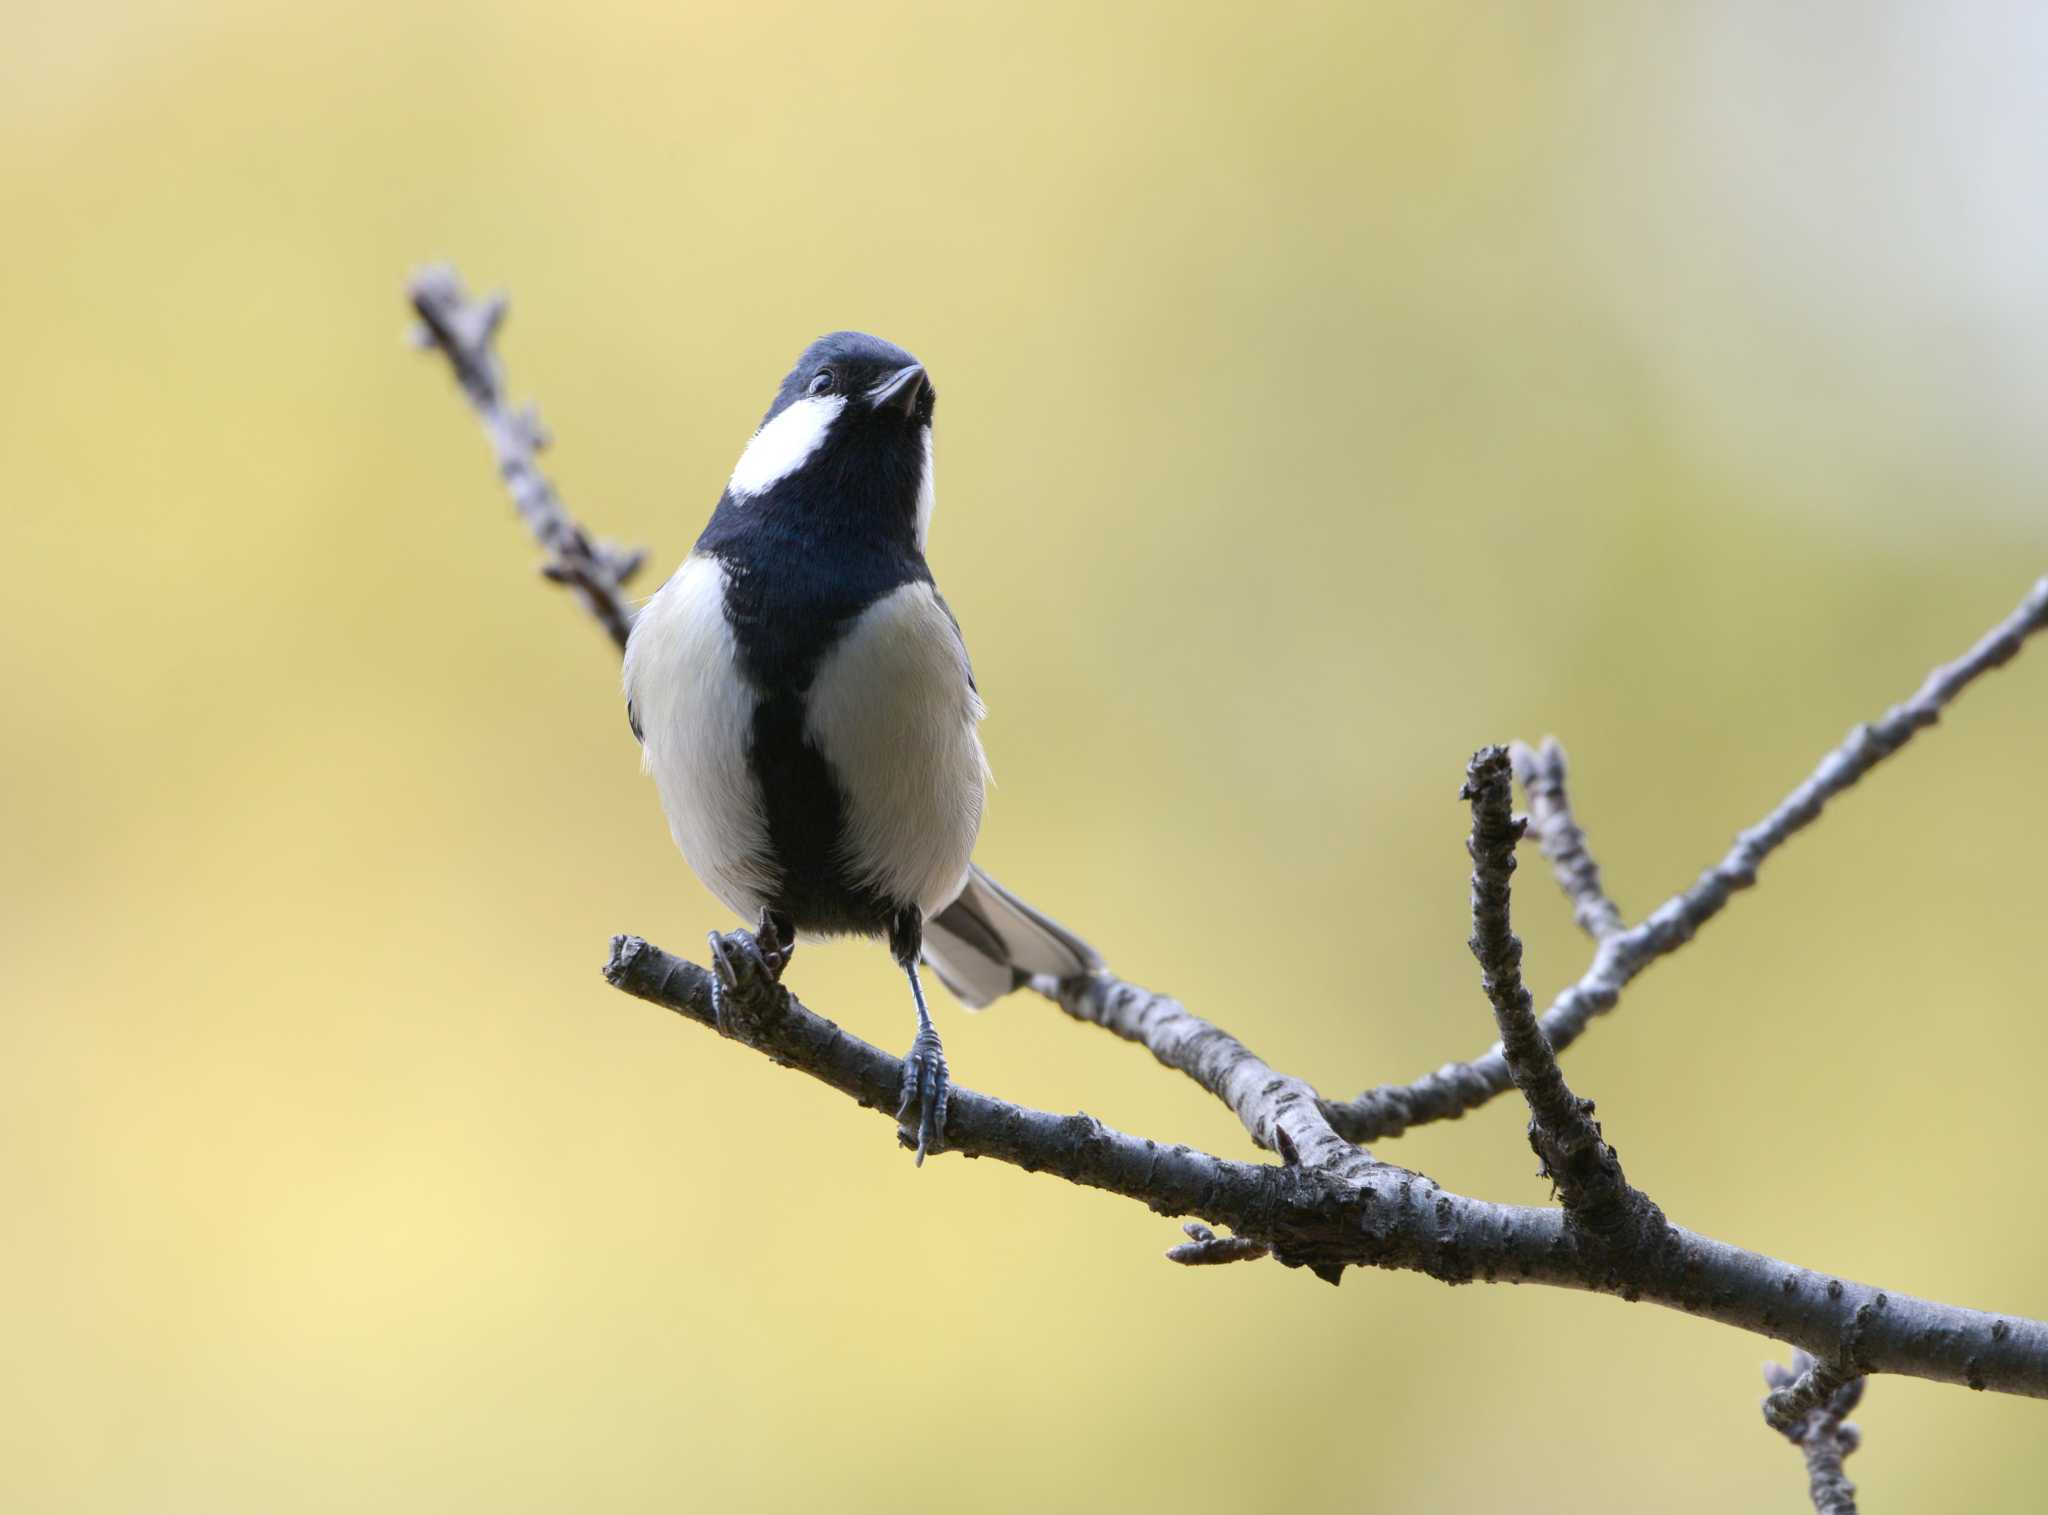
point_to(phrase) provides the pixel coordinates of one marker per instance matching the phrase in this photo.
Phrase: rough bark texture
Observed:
(465, 332)
(1808, 1404)
(1328, 1204)
(1605, 1211)
(1375, 1214)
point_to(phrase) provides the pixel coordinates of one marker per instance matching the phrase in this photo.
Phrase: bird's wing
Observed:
(959, 636)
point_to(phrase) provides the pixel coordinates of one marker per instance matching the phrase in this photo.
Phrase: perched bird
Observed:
(804, 701)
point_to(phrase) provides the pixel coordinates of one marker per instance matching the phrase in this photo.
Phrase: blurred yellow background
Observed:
(1324, 391)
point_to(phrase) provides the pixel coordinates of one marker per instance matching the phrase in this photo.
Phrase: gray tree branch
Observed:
(465, 332)
(1541, 773)
(1567, 1140)
(1458, 1087)
(1328, 1204)
(1378, 1215)
(1808, 1405)
(1281, 1113)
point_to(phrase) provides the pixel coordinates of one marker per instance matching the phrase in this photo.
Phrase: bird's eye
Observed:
(823, 381)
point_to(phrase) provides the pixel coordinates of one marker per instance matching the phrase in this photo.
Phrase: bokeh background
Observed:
(1325, 390)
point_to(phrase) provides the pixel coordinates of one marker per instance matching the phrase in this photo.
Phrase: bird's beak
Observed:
(900, 390)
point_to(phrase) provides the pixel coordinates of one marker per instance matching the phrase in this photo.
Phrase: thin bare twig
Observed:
(1458, 1087)
(1541, 773)
(465, 332)
(1809, 1404)
(1585, 1169)
(1204, 1248)
(1281, 1113)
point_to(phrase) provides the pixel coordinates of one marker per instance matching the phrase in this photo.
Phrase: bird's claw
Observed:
(928, 1087)
(743, 964)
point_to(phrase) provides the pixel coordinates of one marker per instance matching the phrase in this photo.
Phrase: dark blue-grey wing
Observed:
(965, 661)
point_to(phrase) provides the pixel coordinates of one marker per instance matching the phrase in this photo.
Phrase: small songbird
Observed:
(804, 701)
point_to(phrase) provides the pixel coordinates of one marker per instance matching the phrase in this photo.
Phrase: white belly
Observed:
(893, 709)
(696, 715)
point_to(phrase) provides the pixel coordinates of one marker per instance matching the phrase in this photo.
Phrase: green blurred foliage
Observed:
(1325, 391)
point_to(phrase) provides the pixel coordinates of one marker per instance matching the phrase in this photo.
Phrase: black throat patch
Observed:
(802, 563)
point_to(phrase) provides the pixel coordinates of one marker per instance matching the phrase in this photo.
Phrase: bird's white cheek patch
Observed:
(781, 447)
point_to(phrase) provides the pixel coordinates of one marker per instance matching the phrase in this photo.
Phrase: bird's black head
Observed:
(872, 375)
(846, 443)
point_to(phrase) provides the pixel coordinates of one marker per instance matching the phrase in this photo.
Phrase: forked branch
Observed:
(1458, 1087)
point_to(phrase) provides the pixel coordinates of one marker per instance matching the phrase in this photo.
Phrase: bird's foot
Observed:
(746, 965)
(927, 1087)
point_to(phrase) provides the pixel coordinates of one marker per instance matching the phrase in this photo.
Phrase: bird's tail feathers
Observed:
(988, 942)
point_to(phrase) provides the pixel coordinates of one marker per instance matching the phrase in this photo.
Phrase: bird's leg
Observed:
(925, 1081)
(743, 960)
(776, 936)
